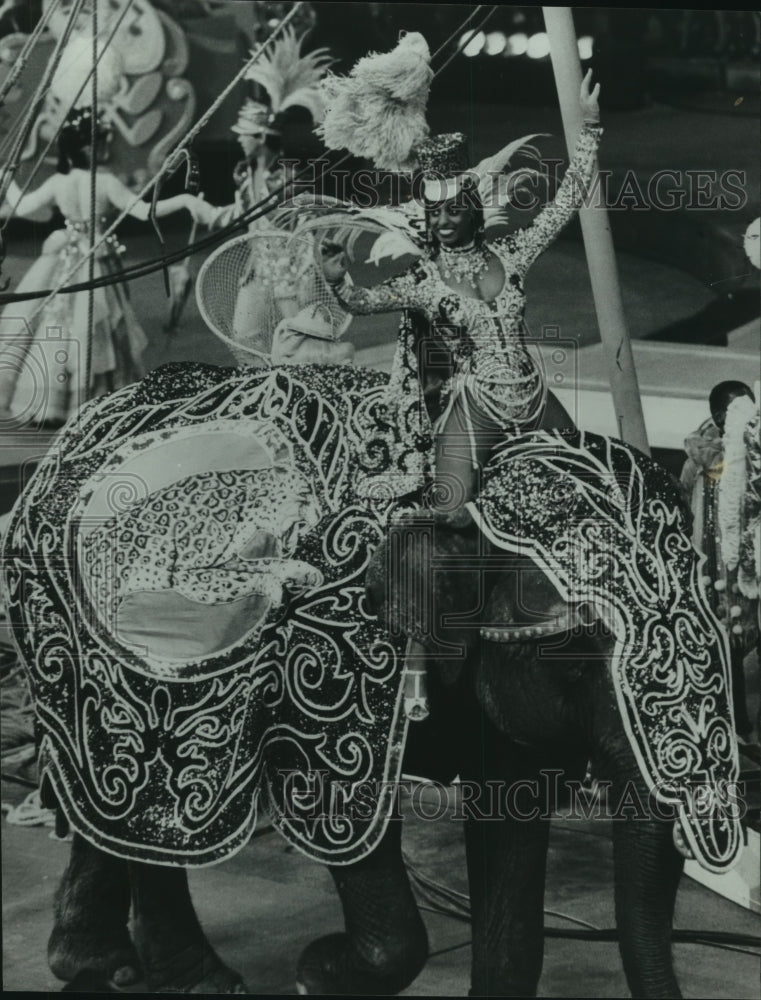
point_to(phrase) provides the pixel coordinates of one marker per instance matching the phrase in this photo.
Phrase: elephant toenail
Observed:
(125, 976)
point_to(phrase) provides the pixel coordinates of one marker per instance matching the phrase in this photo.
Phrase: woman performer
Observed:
(58, 331)
(471, 292)
(289, 79)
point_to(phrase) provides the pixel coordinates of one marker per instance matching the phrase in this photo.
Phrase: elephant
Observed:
(537, 684)
(527, 713)
(508, 712)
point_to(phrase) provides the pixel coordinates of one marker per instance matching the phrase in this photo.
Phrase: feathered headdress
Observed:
(378, 110)
(290, 79)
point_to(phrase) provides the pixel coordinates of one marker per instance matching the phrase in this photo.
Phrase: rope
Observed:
(21, 59)
(39, 97)
(455, 33)
(93, 219)
(30, 812)
(184, 142)
(19, 139)
(41, 158)
(16, 70)
(472, 35)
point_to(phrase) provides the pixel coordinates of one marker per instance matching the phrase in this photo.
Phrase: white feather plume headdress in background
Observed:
(74, 73)
(378, 111)
(290, 78)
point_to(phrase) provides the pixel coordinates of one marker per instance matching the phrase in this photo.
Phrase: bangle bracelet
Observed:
(591, 121)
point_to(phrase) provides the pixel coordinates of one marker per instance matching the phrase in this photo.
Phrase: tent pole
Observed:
(598, 242)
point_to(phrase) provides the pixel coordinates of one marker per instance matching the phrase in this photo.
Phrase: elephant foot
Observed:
(89, 960)
(175, 953)
(332, 965)
(191, 967)
(90, 941)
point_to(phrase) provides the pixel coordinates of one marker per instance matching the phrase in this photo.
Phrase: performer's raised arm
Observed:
(534, 239)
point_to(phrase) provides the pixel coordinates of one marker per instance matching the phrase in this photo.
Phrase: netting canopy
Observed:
(247, 286)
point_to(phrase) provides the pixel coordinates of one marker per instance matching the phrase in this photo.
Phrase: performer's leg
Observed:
(463, 446)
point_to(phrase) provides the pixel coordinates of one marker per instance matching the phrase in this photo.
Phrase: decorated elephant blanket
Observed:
(185, 581)
(185, 574)
(609, 528)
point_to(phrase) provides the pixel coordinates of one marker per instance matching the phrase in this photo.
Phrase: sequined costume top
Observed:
(493, 371)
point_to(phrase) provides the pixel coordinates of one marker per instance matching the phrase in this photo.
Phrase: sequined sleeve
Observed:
(528, 243)
(399, 292)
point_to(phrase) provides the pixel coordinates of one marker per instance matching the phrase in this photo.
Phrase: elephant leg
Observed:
(173, 949)
(90, 943)
(647, 873)
(507, 860)
(385, 945)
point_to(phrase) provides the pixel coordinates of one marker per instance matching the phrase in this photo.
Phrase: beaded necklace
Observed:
(464, 264)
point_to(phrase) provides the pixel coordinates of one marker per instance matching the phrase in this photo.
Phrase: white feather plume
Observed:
(489, 171)
(291, 79)
(392, 245)
(378, 110)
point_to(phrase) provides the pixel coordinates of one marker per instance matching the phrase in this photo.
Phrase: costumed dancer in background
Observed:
(705, 478)
(47, 384)
(469, 290)
(280, 279)
(255, 175)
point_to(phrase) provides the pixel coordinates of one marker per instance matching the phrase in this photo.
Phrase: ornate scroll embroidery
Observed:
(607, 526)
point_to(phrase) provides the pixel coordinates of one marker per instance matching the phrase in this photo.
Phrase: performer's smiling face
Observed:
(452, 222)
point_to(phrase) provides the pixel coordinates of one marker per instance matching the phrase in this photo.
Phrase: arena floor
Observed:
(263, 906)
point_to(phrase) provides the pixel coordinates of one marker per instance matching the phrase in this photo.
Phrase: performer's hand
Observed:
(12, 196)
(590, 109)
(334, 265)
(201, 212)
